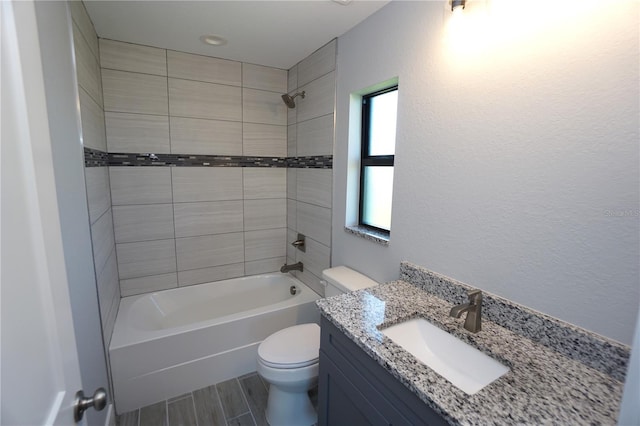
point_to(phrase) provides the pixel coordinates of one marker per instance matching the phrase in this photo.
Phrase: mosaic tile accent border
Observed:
(96, 158)
(317, 162)
(605, 355)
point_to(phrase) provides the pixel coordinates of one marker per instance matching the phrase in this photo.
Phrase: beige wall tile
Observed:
(140, 185)
(148, 284)
(217, 217)
(264, 140)
(292, 214)
(132, 92)
(264, 266)
(122, 56)
(215, 273)
(209, 250)
(98, 191)
(311, 280)
(315, 136)
(292, 185)
(108, 286)
(265, 244)
(265, 214)
(317, 64)
(102, 240)
(204, 68)
(87, 67)
(292, 140)
(319, 100)
(200, 136)
(196, 99)
(260, 183)
(315, 222)
(316, 258)
(92, 118)
(292, 235)
(191, 184)
(260, 106)
(142, 259)
(138, 133)
(292, 79)
(143, 222)
(314, 186)
(264, 78)
(82, 20)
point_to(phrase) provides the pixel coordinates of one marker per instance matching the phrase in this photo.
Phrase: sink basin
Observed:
(464, 366)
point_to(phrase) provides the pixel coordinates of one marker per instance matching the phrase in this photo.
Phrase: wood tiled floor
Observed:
(236, 402)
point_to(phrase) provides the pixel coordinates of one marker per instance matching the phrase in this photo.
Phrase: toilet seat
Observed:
(293, 347)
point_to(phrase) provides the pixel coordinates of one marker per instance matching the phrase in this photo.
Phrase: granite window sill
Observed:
(368, 234)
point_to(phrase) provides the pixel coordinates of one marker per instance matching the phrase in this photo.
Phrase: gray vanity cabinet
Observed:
(354, 389)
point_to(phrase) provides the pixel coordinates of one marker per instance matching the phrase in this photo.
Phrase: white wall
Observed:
(514, 148)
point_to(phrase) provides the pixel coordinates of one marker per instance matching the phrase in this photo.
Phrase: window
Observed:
(379, 115)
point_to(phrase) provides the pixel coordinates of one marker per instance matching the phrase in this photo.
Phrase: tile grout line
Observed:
(224, 415)
(195, 411)
(246, 402)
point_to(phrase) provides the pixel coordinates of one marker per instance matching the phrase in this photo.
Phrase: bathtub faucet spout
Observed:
(295, 267)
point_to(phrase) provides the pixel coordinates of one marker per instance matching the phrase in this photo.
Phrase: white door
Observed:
(39, 361)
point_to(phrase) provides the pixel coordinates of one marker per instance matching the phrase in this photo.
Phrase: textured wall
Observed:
(517, 152)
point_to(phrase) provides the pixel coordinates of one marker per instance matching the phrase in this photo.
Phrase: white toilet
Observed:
(288, 359)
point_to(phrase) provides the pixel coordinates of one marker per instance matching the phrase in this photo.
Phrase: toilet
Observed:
(288, 359)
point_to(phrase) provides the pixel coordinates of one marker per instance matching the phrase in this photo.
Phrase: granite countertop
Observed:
(543, 384)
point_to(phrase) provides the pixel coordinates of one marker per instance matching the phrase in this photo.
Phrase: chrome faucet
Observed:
(295, 267)
(473, 322)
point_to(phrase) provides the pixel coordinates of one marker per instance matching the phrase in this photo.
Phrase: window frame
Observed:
(370, 160)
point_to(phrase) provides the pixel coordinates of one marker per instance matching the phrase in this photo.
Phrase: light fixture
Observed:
(213, 40)
(457, 4)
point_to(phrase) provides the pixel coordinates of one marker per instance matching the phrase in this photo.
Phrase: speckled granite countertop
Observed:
(559, 374)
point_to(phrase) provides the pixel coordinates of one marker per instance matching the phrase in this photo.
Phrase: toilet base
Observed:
(289, 408)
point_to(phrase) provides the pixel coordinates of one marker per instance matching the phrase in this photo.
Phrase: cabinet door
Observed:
(340, 401)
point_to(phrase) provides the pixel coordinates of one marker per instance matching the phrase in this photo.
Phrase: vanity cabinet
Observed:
(354, 389)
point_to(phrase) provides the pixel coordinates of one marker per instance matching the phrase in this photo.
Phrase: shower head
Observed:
(288, 99)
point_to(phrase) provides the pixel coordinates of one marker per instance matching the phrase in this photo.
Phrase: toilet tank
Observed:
(342, 280)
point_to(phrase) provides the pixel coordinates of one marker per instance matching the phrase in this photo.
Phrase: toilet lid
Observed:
(292, 347)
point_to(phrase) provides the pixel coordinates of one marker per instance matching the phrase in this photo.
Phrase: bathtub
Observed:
(167, 343)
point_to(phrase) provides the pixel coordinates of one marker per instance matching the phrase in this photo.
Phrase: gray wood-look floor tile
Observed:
(182, 412)
(244, 420)
(154, 415)
(256, 394)
(208, 408)
(233, 402)
(127, 419)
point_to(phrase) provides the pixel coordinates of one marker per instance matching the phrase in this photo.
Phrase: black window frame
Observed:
(370, 160)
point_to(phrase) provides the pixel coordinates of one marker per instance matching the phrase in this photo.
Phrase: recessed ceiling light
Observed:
(213, 40)
(342, 2)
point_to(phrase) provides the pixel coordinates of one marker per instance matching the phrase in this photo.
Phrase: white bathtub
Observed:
(175, 341)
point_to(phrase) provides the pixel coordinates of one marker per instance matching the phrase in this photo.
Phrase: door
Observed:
(40, 371)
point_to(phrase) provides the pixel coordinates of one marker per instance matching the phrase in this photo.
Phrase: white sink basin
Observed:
(464, 366)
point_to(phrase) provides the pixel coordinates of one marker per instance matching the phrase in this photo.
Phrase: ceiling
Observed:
(272, 33)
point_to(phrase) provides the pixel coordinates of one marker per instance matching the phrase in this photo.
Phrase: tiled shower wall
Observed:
(179, 226)
(309, 190)
(89, 79)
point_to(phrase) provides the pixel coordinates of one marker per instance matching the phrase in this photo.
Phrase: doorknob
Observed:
(81, 403)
